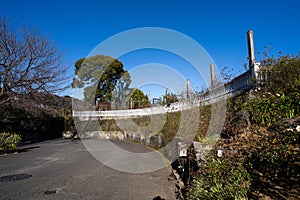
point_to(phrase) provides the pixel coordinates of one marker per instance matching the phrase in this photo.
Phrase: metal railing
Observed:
(235, 86)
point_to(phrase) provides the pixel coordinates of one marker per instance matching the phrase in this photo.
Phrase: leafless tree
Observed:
(29, 62)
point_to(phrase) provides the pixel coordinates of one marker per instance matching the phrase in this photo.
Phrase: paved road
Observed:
(63, 169)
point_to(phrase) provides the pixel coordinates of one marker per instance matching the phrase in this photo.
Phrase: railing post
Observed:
(167, 93)
(188, 88)
(212, 76)
(131, 103)
(250, 49)
(149, 100)
(254, 67)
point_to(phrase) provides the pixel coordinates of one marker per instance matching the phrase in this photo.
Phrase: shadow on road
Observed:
(20, 150)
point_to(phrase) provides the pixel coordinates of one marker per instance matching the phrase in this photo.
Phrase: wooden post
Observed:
(212, 76)
(188, 88)
(250, 48)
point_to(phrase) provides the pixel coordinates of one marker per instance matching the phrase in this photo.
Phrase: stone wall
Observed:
(150, 139)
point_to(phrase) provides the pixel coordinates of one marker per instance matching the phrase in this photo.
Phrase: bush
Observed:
(281, 73)
(279, 94)
(270, 108)
(220, 179)
(9, 141)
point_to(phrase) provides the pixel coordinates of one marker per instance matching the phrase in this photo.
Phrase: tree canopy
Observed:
(102, 77)
(139, 98)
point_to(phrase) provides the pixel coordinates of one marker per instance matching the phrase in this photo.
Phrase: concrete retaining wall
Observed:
(175, 149)
(149, 139)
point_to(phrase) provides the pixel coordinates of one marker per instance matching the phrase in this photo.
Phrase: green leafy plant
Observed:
(278, 95)
(220, 179)
(9, 141)
(268, 108)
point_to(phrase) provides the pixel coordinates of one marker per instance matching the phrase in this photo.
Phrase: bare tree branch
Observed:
(29, 62)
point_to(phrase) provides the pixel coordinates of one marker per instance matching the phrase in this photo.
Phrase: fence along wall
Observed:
(236, 86)
(239, 84)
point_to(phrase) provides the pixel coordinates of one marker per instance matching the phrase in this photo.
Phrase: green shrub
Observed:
(9, 141)
(220, 179)
(270, 108)
(279, 94)
(281, 73)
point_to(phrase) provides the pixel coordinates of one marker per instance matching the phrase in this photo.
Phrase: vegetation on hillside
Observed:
(37, 116)
(260, 141)
(32, 70)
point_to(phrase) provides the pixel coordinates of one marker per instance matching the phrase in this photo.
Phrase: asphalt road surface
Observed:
(64, 169)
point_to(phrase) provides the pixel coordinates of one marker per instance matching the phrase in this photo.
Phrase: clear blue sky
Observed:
(219, 26)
